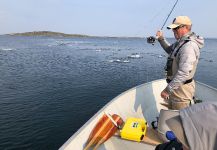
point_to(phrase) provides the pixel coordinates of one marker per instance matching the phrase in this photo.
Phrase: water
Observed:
(49, 87)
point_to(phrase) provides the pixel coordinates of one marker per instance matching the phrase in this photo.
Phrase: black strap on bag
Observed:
(171, 145)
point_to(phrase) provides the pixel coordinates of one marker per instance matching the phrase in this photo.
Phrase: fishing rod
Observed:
(152, 39)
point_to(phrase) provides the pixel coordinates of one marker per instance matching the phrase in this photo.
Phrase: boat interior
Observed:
(142, 101)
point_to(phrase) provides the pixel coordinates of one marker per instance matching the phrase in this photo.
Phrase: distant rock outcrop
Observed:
(47, 33)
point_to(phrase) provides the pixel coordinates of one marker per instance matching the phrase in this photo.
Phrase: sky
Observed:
(131, 18)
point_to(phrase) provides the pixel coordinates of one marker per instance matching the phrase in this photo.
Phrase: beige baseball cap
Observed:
(180, 20)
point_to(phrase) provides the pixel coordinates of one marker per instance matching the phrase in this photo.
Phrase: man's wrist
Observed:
(160, 38)
(169, 89)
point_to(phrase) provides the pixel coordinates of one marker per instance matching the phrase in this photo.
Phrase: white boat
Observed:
(142, 101)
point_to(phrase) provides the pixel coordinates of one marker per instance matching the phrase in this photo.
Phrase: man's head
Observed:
(180, 26)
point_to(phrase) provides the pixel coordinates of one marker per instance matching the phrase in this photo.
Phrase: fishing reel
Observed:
(151, 40)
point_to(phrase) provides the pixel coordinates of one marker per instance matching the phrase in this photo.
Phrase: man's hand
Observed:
(164, 94)
(159, 34)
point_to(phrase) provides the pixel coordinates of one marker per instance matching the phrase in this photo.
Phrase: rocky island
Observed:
(47, 33)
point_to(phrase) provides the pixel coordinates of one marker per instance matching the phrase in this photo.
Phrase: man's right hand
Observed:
(159, 34)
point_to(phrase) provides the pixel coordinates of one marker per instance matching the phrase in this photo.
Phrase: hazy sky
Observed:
(105, 17)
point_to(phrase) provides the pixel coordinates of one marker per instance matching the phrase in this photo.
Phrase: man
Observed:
(183, 57)
(195, 127)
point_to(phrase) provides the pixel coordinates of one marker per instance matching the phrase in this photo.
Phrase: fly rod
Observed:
(152, 39)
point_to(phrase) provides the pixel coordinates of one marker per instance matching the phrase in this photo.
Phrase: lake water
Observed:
(49, 87)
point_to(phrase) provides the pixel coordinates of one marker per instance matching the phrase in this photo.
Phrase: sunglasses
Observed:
(177, 28)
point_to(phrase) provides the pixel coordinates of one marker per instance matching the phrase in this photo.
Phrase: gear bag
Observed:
(171, 145)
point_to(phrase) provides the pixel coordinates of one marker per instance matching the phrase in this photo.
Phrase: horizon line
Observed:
(102, 36)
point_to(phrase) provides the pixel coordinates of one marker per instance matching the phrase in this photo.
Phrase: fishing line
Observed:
(154, 17)
(159, 12)
(152, 39)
